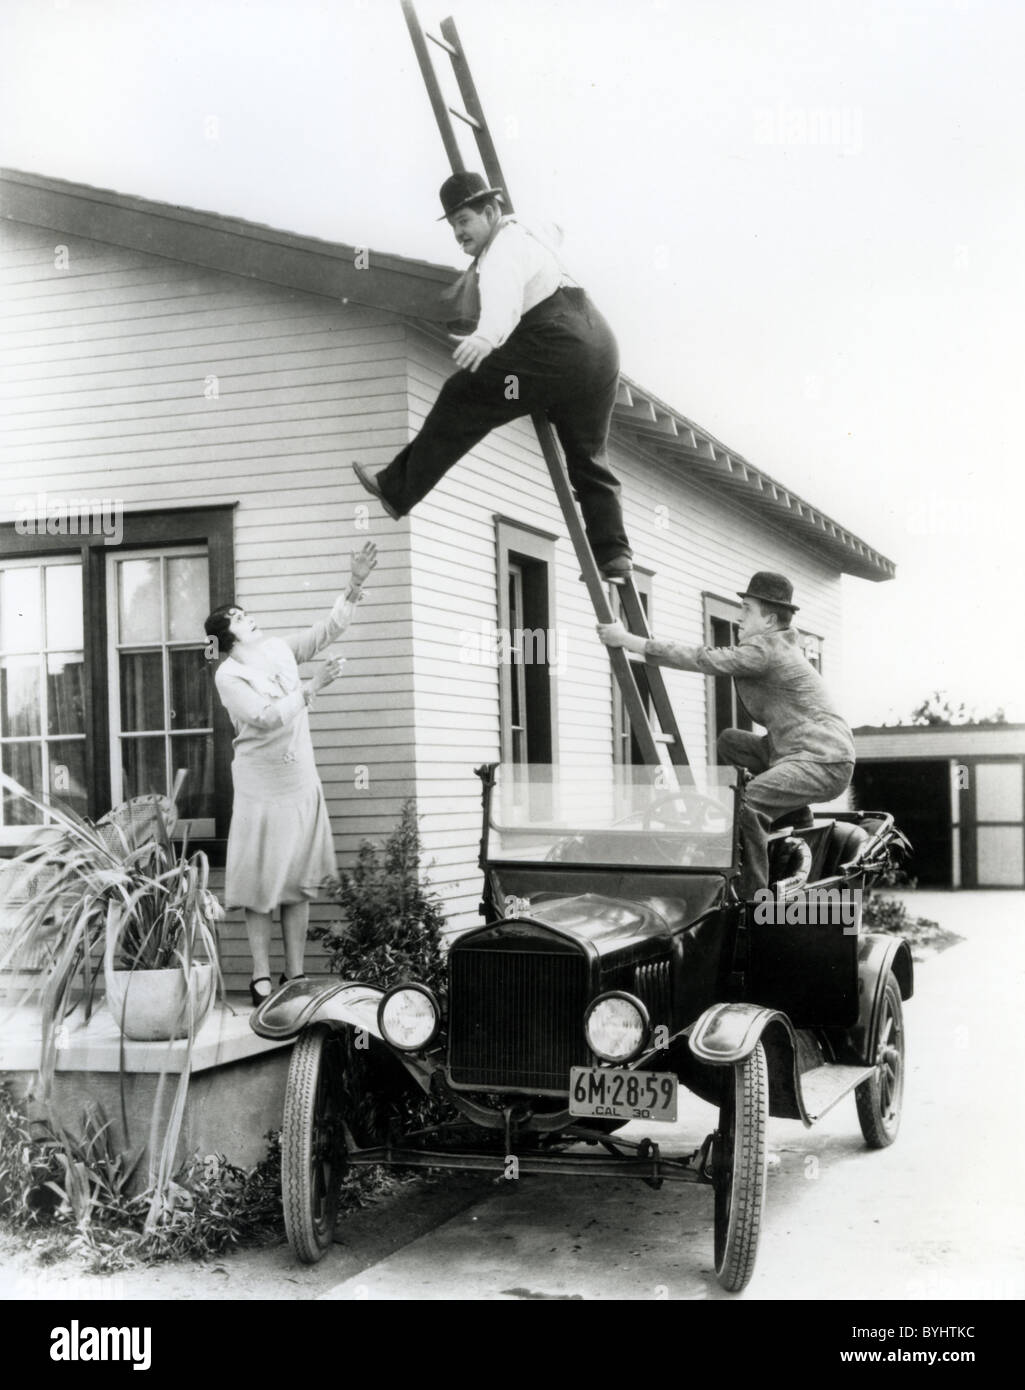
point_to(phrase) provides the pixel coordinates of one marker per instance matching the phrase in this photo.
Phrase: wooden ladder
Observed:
(664, 746)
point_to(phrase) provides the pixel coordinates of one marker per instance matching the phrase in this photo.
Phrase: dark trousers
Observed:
(562, 360)
(788, 785)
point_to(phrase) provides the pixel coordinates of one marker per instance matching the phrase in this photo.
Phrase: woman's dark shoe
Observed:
(371, 486)
(286, 979)
(259, 995)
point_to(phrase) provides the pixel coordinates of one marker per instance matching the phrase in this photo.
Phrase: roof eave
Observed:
(411, 288)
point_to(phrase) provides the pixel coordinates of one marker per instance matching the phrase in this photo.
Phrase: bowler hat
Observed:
(771, 588)
(460, 189)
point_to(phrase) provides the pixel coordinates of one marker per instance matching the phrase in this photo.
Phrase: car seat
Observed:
(848, 839)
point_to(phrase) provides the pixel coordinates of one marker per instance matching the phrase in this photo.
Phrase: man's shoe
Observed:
(370, 484)
(618, 569)
(615, 571)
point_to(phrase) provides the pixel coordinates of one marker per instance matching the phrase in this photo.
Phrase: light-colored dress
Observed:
(279, 847)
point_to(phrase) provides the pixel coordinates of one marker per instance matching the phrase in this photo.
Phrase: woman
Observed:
(279, 847)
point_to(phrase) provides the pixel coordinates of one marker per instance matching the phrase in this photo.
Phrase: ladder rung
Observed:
(462, 116)
(444, 43)
(667, 739)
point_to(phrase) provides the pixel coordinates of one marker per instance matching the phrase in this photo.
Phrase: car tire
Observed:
(738, 1170)
(313, 1153)
(880, 1098)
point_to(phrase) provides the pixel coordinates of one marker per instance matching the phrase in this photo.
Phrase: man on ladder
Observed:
(539, 346)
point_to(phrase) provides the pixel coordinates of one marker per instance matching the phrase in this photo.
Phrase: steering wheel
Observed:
(696, 810)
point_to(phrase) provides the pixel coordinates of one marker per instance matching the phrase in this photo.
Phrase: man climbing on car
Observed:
(807, 752)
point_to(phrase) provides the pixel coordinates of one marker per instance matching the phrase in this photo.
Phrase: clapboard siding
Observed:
(105, 367)
(707, 546)
(105, 382)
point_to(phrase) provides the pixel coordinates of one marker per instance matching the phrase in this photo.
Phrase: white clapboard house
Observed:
(210, 381)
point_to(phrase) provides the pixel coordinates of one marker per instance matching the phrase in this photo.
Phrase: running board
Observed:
(823, 1087)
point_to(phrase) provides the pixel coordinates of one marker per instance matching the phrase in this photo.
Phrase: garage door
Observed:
(993, 824)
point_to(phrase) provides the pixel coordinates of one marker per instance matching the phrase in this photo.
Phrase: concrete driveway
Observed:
(938, 1215)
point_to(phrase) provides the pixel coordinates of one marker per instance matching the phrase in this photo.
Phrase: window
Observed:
(527, 646)
(726, 708)
(103, 691)
(625, 748)
(812, 648)
(42, 691)
(727, 711)
(161, 695)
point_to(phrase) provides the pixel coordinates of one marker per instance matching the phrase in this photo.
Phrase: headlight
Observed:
(408, 1017)
(616, 1026)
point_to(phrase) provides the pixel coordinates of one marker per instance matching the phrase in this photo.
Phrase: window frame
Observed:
(526, 548)
(165, 529)
(200, 828)
(14, 836)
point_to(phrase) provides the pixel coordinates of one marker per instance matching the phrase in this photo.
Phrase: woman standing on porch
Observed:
(279, 847)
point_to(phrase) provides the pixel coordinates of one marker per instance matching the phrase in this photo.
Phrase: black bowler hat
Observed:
(460, 189)
(772, 588)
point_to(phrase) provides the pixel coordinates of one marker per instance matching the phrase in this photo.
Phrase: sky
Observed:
(803, 218)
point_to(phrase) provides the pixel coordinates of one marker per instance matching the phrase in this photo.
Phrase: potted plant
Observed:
(122, 892)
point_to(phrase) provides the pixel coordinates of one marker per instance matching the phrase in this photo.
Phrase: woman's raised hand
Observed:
(362, 562)
(330, 671)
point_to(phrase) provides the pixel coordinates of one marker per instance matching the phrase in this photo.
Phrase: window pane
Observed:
(63, 606)
(188, 597)
(67, 773)
(65, 685)
(142, 690)
(138, 601)
(1001, 856)
(196, 754)
(143, 770)
(191, 696)
(998, 791)
(19, 696)
(20, 618)
(23, 762)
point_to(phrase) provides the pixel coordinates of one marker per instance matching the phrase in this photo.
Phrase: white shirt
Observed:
(516, 271)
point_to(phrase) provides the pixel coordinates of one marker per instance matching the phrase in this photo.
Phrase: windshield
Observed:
(641, 816)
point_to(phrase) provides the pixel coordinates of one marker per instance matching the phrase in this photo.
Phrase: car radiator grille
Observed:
(516, 1018)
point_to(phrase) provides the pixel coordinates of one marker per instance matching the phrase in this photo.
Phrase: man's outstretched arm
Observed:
(749, 659)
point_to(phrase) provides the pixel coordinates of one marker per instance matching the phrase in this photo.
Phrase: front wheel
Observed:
(879, 1099)
(313, 1153)
(738, 1170)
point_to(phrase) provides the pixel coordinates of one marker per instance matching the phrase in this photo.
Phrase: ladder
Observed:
(664, 747)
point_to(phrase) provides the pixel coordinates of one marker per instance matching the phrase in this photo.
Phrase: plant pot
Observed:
(150, 1005)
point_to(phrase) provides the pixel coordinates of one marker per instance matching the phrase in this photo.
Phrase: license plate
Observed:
(618, 1094)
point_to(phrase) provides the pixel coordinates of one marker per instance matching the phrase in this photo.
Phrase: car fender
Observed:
(286, 1012)
(338, 1003)
(727, 1033)
(878, 955)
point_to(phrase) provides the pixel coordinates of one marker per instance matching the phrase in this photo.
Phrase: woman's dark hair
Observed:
(218, 627)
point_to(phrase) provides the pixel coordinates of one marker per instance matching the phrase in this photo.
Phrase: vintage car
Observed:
(615, 963)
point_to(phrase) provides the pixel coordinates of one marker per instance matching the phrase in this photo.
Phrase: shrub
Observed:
(391, 932)
(72, 1188)
(880, 913)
